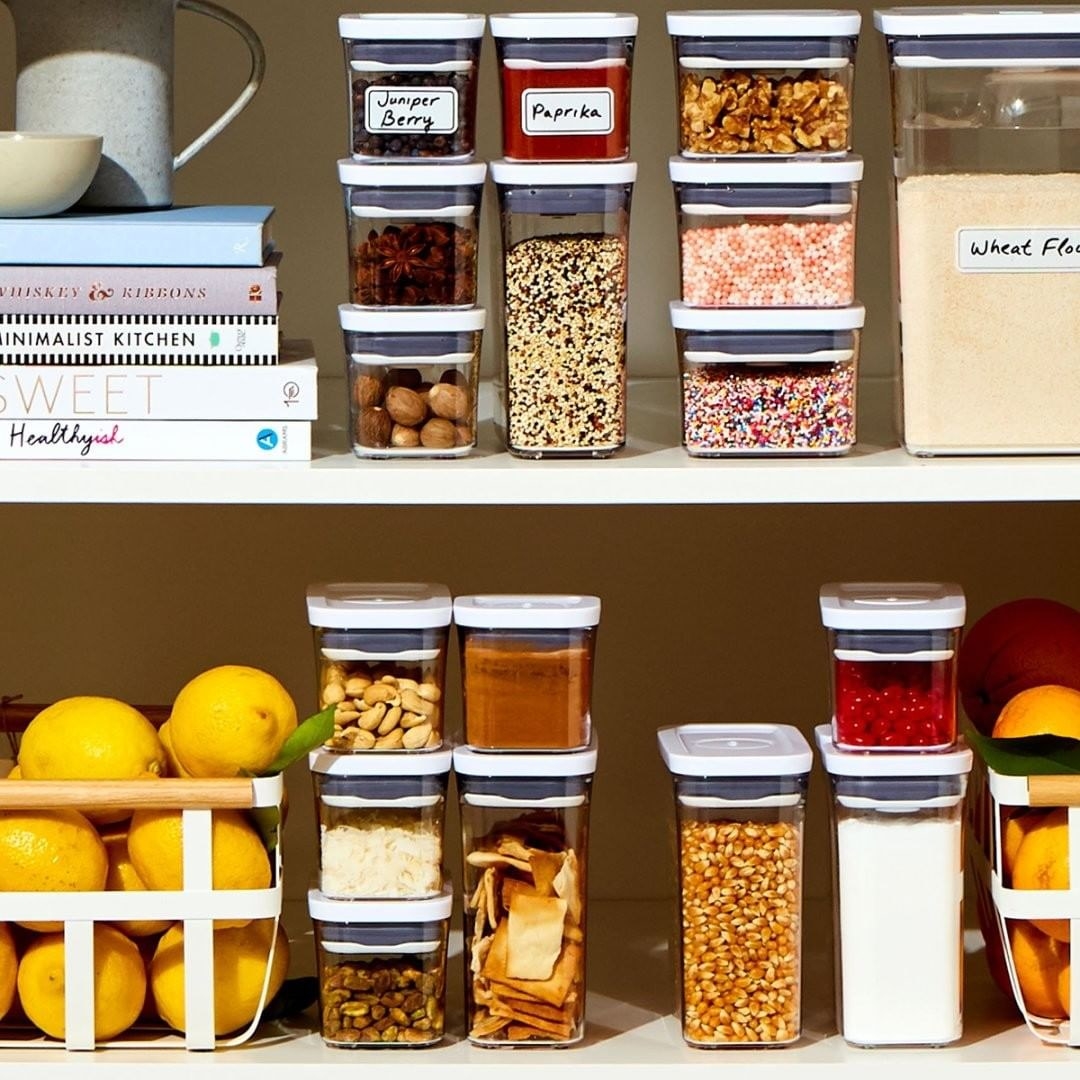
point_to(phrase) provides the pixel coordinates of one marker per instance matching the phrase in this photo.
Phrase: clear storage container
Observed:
(381, 967)
(893, 652)
(564, 79)
(740, 796)
(757, 381)
(413, 232)
(413, 380)
(767, 234)
(764, 82)
(381, 822)
(412, 84)
(562, 305)
(525, 827)
(380, 658)
(987, 158)
(898, 864)
(527, 670)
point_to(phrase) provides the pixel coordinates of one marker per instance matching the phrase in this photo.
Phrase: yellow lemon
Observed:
(240, 960)
(174, 767)
(50, 851)
(14, 773)
(9, 966)
(230, 721)
(119, 983)
(122, 877)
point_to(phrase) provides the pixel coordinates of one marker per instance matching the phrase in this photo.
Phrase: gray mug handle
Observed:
(255, 78)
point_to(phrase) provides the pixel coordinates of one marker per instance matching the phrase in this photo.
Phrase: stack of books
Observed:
(149, 336)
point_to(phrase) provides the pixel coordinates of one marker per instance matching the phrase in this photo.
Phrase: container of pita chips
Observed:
(524, 824)
(382, 969)
(740, 798)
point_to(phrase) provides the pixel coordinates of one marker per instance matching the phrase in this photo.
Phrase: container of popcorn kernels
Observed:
(413, 379)
(740, 799)
(767, 233)
(412, 232)
(381, 823)
(380, 657)
(412, 84)
(767, 381)
(764, 82)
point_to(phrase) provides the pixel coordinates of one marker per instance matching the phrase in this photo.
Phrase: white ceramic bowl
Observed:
(42, 173)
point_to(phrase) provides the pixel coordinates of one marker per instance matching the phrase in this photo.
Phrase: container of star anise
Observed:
(413, 378)
(764, 82)
(413, 232)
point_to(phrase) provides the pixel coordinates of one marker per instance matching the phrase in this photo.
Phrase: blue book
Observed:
(181, 236)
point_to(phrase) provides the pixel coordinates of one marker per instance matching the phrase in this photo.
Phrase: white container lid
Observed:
(579, 173)
(409, 321)
(764, 24)
(919, 605)
(366, 912)
(376, 174)
(553, 765)
(568, 25)
(395, 605)
(987, 21)
(392, 763)
(721, 750)
(498, 611)
(429, 26)
(956, 762)
(767, 320)
(843, 170)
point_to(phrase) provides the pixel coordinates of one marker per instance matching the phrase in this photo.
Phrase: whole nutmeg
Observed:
(404, 436)
(405, 406)
(438, 434)
(463, 434)
(374, 427)
(453, 375)
(367, 390)
(449, 401)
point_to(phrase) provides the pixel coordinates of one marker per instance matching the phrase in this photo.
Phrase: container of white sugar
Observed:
(898, 827)
(986, 131)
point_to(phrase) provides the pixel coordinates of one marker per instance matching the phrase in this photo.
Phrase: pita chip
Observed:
(535, 936)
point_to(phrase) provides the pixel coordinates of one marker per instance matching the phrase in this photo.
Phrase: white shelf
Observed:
(652, 470)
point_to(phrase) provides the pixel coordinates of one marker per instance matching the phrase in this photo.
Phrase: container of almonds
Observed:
(380, 656)
(382, 969)
(764, 82)
(740, 797)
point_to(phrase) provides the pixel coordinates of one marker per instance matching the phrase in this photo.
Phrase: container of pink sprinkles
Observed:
(767, 233)
(764, 382)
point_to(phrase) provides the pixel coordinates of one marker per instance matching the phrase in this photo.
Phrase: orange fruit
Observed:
(1017, 826)
(1042, 862)
(1040, 710)
(1063, 987)
(1038, 968)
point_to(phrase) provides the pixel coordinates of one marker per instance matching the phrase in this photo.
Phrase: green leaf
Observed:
(308, 736)
(1033, 755)
(267, 819)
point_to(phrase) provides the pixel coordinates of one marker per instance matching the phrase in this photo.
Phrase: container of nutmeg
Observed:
(380, 657)
(413, 379)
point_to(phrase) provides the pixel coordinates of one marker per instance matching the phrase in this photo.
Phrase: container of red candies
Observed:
(892, 650)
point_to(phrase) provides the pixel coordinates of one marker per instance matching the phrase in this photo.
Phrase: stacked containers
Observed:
(382, 906)
(766, 194)
(564, 190)
(524, 780)
(412, 201)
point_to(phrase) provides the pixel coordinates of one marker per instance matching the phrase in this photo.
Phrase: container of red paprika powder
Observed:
(893, 650)
(565, 82)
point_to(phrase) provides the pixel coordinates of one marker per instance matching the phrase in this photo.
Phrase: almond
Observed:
(405, 406)
(449, 401)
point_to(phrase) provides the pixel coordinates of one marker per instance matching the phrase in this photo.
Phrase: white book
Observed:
(155, 440)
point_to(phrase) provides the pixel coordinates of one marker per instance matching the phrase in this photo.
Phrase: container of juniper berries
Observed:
(412, 84)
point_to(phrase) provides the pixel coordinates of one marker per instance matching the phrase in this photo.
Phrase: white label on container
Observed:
(430, 110)
(568, 112)
(1018, 251)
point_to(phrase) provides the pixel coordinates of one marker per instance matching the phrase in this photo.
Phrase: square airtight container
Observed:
(380, 660)
(987, 178)
(413, 233)
(412, 84)
(564, 78)
(381, 821)
(562, 301)
(740, 798)
(525, 828)
(767, 233)
(413, 380)
(764, 82)
(898, 865)
(381, 966)
(893, 654)
(527, 670)
(767, 381)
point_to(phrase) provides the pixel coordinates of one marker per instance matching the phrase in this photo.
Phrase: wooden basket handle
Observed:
(1054, 790)
(164, 794)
